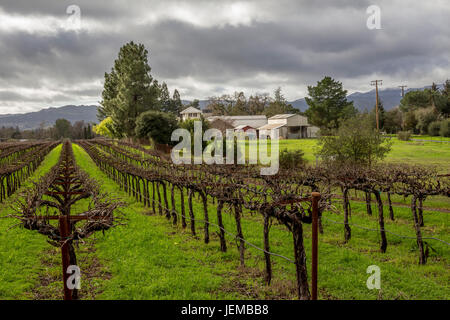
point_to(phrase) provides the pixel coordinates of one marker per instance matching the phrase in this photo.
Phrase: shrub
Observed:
(355, 142)
(404, 135)
(292, 159)
(104, 128)
(434, 128)
(445, 128)
(157, 126)
(424, 118)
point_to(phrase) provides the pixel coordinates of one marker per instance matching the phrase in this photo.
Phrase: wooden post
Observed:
(315, 238)
(376, 83)
(267, 248)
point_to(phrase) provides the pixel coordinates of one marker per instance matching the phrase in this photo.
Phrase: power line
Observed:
(403, 90)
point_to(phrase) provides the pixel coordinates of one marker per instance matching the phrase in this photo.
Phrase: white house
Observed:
(291, 126)
(190, 113)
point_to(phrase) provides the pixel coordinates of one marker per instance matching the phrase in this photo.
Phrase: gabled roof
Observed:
(191, 110)
(247, 117)
(271, 126)
(282, 116)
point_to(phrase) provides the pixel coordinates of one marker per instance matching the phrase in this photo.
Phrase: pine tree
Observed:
(129, 90)
(328, 104)
(178, 105)
(108, 95)
(164, 98)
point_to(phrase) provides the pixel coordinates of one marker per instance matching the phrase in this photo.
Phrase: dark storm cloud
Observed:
(210, 47)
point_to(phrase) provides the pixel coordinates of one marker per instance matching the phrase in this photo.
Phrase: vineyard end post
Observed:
(315, 218)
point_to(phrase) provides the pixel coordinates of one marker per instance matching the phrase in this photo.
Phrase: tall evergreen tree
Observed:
(129, 90)
(328, 104)
(445, 109)
(178, 105)
(164, 98)
(108, 95)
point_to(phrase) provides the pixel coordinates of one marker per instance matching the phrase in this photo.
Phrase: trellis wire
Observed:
(396, 234)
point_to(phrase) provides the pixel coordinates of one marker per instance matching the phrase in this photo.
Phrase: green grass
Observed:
(425, 137)
(21, 250)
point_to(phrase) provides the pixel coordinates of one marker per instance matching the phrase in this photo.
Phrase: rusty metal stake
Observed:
(315, 219)
(64, 232)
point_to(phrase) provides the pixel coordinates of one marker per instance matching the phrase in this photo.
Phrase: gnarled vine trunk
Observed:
(422, 257)
(383, 245)
(300, 262)
(223, 244)
(347, 229)
(240, 235)
(191, 212)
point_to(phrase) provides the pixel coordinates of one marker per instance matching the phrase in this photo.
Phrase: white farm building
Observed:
(290, 126)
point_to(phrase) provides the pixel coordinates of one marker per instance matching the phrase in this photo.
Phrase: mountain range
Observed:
(362, 100)
(47, 117)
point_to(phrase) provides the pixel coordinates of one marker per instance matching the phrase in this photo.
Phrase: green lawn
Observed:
(408, 152)
(149, 258)
(425, 137)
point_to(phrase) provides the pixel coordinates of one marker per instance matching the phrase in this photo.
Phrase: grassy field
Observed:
(149, 258)
(409, 152)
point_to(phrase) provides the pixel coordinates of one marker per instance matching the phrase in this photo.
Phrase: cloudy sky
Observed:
(53, 54)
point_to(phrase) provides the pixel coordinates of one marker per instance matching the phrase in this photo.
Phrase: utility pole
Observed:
(376, 83)
(403, 90)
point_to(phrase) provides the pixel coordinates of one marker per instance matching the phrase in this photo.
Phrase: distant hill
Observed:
(33, 120)
(363, 100)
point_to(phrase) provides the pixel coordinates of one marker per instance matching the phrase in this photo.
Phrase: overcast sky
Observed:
(205, 48)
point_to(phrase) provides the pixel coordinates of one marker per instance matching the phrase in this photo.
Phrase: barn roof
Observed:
(282, 116)
(191, 110)
(271, 126)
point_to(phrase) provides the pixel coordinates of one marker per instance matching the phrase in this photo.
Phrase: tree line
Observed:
(257, 104)
(426, 111)
(62, 128)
